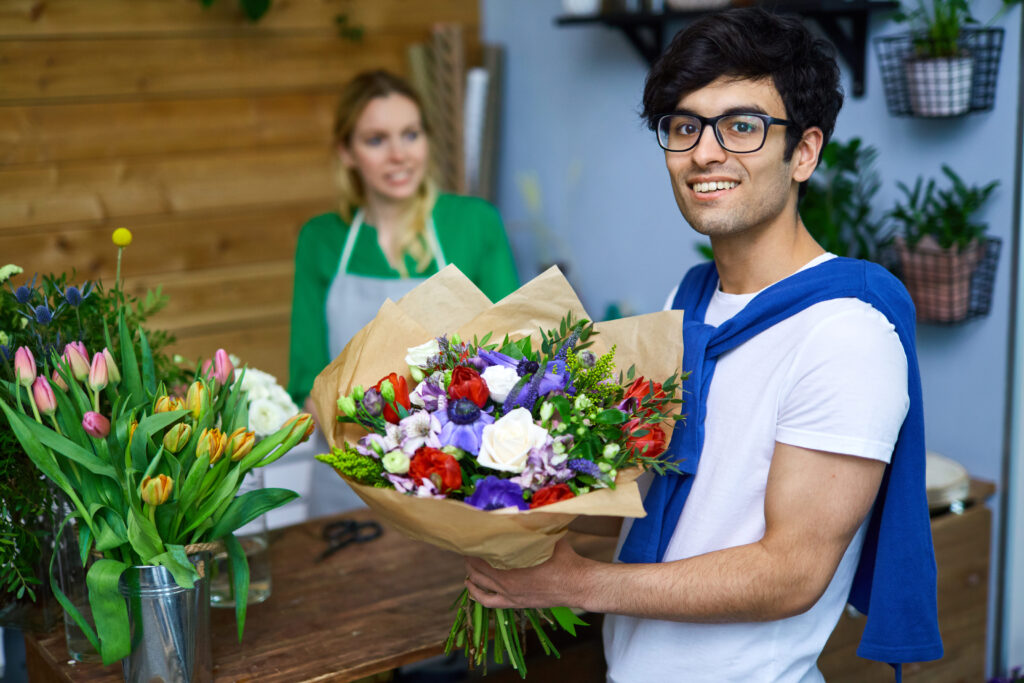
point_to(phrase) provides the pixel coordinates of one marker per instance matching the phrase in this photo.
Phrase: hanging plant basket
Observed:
(947, 286)
(940, 86)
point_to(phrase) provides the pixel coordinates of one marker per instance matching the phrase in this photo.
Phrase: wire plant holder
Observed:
(971, 76)
(948, 288)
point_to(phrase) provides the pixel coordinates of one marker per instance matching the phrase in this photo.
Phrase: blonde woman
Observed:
(392, 230)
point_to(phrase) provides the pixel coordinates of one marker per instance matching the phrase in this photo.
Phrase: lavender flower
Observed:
(419, 429)
(584, 466)
(462, 425)
(494, 493)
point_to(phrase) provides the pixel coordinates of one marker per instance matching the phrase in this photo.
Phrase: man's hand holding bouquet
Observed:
(491, 448)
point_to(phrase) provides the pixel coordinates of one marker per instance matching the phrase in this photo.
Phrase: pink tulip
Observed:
(77, 358)
(113, 373)
(24, 367)
(222, 366)
(56, 379)
(98, 376)
(95, 425)
(43, 395)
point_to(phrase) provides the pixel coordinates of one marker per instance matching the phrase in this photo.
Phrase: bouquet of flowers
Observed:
(494, 447)
(150, 477)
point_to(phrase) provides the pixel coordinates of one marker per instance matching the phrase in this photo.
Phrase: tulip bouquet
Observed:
(519, 431)
(44, 313)
(150, 477)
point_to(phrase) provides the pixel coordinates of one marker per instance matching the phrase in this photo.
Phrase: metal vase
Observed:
(170, 626)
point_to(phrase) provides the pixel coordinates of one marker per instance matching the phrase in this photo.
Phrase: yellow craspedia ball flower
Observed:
(122, 237)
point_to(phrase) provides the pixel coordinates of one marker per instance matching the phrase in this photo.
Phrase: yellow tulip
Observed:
(211, 442)
(156, 490)
(197, 396)
(303, 421)
(240, 443)
(166, 404)
(177, 436)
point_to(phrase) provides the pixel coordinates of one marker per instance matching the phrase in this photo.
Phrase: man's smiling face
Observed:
(722, 193)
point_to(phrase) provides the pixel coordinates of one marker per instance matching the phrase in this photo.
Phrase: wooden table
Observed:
(366, 609)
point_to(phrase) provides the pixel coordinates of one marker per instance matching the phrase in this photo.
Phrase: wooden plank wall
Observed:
(206, 134)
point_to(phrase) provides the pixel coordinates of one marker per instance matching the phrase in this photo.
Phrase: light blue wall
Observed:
(571, 98)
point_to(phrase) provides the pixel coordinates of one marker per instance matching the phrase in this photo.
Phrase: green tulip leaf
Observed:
(70, 449)
(143, 536)
(148, 370)
(109, 609)
(248, 507)
(131, 380)
(238, 566)
(177, 563)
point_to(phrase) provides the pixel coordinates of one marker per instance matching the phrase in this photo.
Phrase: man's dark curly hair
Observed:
(751, 43)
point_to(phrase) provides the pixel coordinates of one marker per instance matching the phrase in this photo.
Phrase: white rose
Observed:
(507, 442)
(418, 355)
(500, 380)
(265, 417)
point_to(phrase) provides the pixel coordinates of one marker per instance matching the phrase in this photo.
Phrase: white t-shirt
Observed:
(832, 377)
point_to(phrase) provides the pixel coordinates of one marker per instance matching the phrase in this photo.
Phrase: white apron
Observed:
(352, 302)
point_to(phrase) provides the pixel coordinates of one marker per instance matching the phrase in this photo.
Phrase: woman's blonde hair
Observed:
(355, 97)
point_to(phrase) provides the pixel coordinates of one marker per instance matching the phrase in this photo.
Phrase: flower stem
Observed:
(32, 402)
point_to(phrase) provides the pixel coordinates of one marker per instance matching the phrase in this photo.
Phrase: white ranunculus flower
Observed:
(265, 417)
(500, 380)
(505, 444)
(418, 355)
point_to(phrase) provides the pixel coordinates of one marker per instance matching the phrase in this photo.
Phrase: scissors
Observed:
(345, 531)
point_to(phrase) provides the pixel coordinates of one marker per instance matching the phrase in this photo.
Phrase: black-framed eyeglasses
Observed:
(739, 133)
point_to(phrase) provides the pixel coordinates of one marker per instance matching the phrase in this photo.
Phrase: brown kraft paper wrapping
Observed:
(449, 302)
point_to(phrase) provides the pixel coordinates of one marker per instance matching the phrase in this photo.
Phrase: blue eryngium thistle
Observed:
(43, 314)
(75, 296)
(5, 352)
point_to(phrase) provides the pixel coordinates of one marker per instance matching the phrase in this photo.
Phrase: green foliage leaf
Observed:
(611, 416)
(248, 507)
(567, 619)
(177, 563)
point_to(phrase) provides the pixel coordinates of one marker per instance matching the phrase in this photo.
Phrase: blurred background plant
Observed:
(837, 204)
(42, 314)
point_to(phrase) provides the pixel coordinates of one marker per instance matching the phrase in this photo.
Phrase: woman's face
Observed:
(388, 149)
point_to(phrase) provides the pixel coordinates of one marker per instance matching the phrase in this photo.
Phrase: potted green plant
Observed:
(838, 199)
(940, 244)
(941, 69)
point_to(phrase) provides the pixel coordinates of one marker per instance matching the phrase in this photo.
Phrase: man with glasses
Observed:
(803, 449)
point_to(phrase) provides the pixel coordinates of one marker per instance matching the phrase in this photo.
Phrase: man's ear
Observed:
(805, 156)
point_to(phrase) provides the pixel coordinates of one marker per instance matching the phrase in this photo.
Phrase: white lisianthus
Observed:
(266, 416)
(505, 444)
(500, 379)
(418, 356)
(395, 462)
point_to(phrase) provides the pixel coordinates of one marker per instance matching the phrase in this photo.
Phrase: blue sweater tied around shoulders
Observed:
(895, 581)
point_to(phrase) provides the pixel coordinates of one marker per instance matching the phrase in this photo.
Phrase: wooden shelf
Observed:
(844, 22)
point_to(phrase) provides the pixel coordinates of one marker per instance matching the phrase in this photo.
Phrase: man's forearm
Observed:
(744, 583)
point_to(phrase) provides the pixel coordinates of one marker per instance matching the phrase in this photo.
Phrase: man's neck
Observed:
(750, 261)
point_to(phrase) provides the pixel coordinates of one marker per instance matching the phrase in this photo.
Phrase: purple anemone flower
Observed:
(494, 493)
(462, 425)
